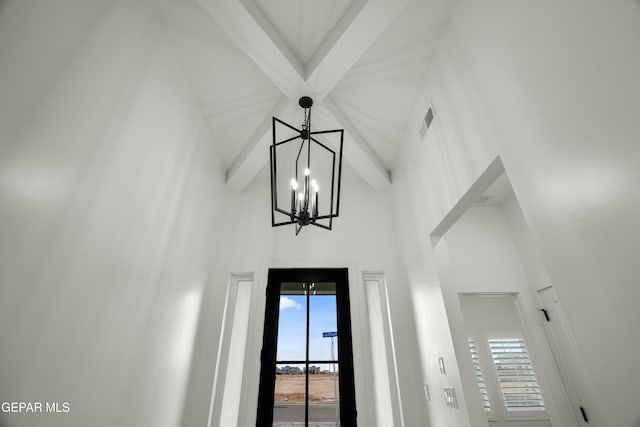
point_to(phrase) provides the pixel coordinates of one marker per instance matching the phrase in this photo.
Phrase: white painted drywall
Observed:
(362, 240)
(568, 136)
(113, 214)
(434, 338)
(110, 194)
(119, 237)
(478, 255)
(538, 279)
(550, 87)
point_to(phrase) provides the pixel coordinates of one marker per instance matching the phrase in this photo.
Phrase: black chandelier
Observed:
(295, 182)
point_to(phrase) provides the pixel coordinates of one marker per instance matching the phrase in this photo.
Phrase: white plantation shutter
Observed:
(516, 378)
(479, 378)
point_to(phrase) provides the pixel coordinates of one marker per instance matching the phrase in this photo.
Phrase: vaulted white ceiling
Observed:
(362, 61)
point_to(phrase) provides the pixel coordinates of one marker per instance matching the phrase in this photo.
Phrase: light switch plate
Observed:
(443, 371)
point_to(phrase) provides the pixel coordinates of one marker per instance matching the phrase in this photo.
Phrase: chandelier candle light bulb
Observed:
(314, 198)
(306, 187)
(294, 188)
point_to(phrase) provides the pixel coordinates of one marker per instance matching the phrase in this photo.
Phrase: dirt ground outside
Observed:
(290, 389)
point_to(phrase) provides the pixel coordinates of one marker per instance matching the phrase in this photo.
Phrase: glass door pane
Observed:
(304, 321)
(290, 391)
(292, 323)
(289, 395)
(323, 355)
(324, 408)
(323, 322)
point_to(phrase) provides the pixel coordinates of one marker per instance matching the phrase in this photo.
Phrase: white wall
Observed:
(114, 214)
(538, 278)
(478, 255)
(119, 238)
(550, 87)
(362, 240)
(109, 197)
(432, 326)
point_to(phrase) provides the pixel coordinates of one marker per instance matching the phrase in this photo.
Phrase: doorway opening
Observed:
(306, 376)
(484, 251)
(504, 370)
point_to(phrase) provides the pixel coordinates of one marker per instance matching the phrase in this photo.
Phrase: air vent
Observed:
(426, 123)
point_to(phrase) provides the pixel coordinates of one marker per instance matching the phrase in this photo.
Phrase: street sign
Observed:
(329, 334)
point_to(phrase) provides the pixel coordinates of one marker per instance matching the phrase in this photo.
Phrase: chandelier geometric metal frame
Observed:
(304, 206)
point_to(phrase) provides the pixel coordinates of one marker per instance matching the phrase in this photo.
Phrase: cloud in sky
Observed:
(289, 303)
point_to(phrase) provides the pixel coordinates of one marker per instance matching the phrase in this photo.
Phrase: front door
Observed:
(306, 376)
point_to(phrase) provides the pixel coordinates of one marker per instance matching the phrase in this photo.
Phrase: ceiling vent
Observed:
(426, 123)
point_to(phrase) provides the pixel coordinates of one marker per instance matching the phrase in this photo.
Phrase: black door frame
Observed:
(340, 276)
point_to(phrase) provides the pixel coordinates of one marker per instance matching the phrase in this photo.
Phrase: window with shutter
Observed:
(479, 377)
(516, 379)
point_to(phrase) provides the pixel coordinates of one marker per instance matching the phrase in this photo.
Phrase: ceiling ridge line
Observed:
(333, 37)
(270, 30)
(244, 29)
(266, 50)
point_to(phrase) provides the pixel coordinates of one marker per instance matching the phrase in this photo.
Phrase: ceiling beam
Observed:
(254, 34)
(254, 154)
(332, 38)
(348, 42)
(358, 151)
(362, 24)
